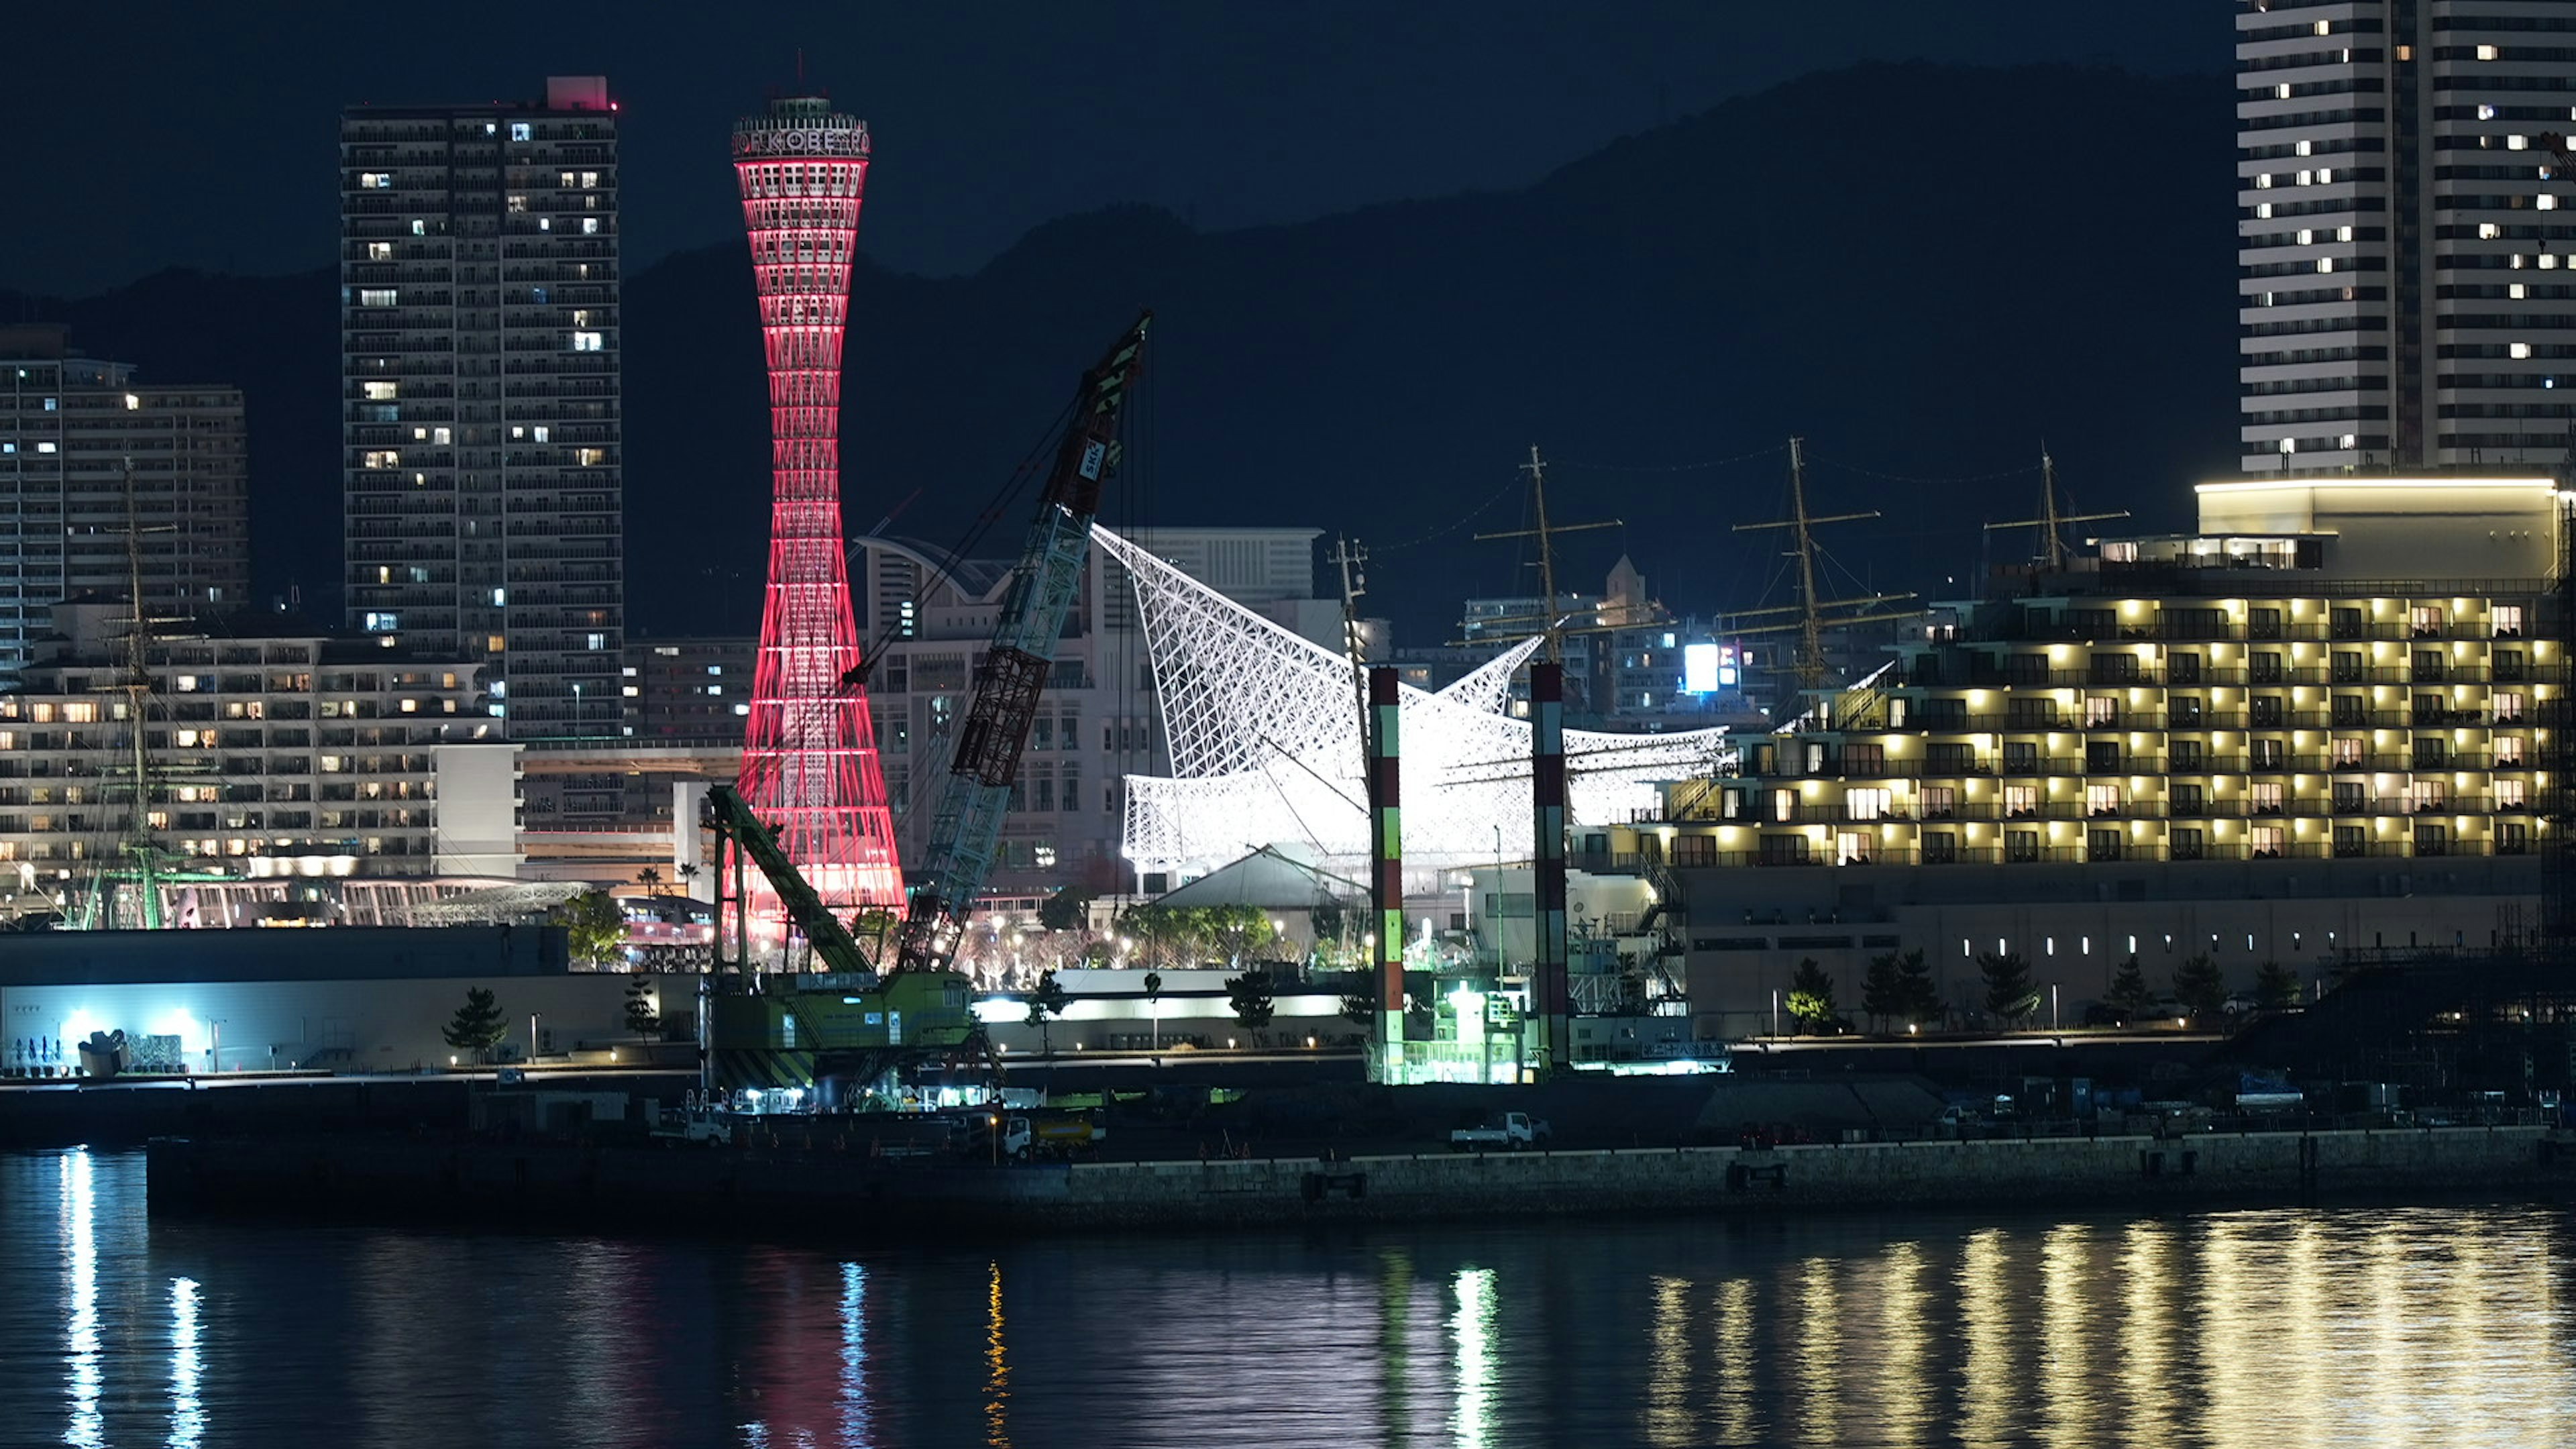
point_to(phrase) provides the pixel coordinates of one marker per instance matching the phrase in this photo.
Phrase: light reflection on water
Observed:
(2271, 1329)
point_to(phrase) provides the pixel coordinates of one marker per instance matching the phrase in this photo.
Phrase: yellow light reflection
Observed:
(2064, 1362)
(997, 1380)
(2234, 1360)
(854, 1356)
(2145, 1339)
(1988, 1392)
(1904, 1398)
(1820, 1351)
(1668, 1417)
(1471, 1334)
(1735, 1418)
(79, 1208)
(187, 1368)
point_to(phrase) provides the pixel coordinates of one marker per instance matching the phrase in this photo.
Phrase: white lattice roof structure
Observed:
(1266, 747)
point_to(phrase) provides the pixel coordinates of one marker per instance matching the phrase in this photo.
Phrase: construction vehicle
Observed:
(839, 1030)
(967, 832)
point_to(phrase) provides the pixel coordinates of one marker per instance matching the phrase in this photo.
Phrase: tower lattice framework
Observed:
(809, 765)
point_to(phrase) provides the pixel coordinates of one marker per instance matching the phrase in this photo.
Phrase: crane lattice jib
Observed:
(973, 802)
(805, 910)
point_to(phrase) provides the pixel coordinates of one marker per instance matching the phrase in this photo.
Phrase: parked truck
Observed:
(1016, 1138)
(1510, 1131)
(675, 1125)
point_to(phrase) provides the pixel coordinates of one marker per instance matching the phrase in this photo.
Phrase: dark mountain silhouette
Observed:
(1923, 269)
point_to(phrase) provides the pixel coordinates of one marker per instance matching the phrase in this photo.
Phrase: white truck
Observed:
(1510, 1131)
(674, 1125)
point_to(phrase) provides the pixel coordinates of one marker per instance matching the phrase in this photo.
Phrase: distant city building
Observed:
(2316, 725)
(281, 755)
(1099, 720)
(70, 426)
(2403, 284)
(689, 689)
(480, 395)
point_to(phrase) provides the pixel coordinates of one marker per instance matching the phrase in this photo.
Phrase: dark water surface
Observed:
(2274, 1328)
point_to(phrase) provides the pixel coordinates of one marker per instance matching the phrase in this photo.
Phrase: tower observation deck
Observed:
(810, 768)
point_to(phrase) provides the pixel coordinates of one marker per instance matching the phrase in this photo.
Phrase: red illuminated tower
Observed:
(809, 761)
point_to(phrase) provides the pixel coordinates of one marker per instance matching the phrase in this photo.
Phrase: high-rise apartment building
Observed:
(2406, 272)
(72, 429)
(481, 420)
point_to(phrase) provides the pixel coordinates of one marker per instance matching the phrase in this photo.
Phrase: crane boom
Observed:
(967, 831)
(735, 822)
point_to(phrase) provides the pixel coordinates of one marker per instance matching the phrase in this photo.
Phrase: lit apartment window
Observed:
(567, 179)
(2101, 799)
(47, 448)
(375, 296)
(590, 457)
(2487, 113)
(542, 432)
(376, 180)
(2516, 291)
(2486, 52)
(598, 641)
(381, 391)
(590, 224)
(382, 623)
(380, 251)
(2545, 201)
(2508, 749)
(381, 459)
(2264, 842)
(2518, 350)
(2508, 705)
(2424, 795)
(442, 436)
(1867, 804)
(2513, 143)
(589, 179)
(2510, 794)
(2021, 802)
(521, 131)
(586, 342)
(2264, 798)
(2488, 231)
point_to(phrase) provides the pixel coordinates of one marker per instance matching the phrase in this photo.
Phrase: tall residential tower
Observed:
(73, 431)
(809, 765)
(2404, 268)
(480, 415)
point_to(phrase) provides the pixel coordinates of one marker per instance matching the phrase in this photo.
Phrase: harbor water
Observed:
(2450, 1325)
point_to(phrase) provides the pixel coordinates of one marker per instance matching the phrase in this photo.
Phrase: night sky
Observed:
(146, 136)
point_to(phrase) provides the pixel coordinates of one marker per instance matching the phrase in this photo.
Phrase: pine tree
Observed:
(1251, 997)
(2129, 994)
(2009, 993)
(641, 1018)
(1811, 996)
(1922, 995)
(2200, 986)
(477, 1026)
(2275, 986)
(1882, 990)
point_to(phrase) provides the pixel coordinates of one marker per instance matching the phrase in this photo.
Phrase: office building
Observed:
(697, 690)
(2315, 725)
(2404, 257)
(73, 430)
(480, 396)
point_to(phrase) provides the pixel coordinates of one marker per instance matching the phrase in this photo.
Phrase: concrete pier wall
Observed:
(751, 1188)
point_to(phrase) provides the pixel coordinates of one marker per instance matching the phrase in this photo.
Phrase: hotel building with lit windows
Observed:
(2314, 725)
(2406, 275)
(278, 755)
(480, 396)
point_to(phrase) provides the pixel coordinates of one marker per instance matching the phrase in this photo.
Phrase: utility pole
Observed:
(1350, 557)
(2052, 547)
(1810, 609)
(1551, 625)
